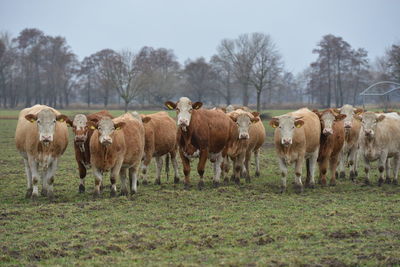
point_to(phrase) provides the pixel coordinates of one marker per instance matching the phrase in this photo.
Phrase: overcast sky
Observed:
(194, 28)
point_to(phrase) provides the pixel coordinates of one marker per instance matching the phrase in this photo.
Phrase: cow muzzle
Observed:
(46, 139)
(79, 139)
(369, 133)
(286, 141)
(106, 141)
(244, 136)
(347, 125)
(327, 131)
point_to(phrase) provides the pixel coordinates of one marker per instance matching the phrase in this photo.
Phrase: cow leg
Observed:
(382, 162)
(98, 180)
(298, 171)
(186, 169)
(257, 160)
(387, 168)
(333, 165)
(82, 175)
(28, 179)
(313, 163)
(145, 164)
(217, 170)
(33, 166)
(396, 163)
(48, 178)
(200, 167)
(175, 166)
(323, 168)
(114, 173)
(245, 165)
(159, 163)
(284, 171)
(133, 179)
(122, 177)
(352, 162)
(367, 167)
(341, 169)
(225, 170)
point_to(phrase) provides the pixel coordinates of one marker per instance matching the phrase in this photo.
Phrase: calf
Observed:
(331, 143)
(296, 138)
(160, 139)
(117, 145)
(380, 140)
(239, 148)
(201, 133)
(41, 137)
(352, 131)
(82, 134)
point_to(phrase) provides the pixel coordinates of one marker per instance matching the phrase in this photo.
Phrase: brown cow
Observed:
(82, 135)
(117, 145)
(256, 141)
(331, 143)
(202, 133)
(350, 148)
(41, 137)
(239, 148)
(160, 139)
(297, 138)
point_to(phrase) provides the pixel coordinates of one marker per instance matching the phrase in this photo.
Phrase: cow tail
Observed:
(167, 165)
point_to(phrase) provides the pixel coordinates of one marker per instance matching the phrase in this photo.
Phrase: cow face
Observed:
(243, 122)
(80, 128)
(184, 108)
(349, 111)
(327, 119)
(46, 122)
(106, 128)
(287, 125)
(369, 122)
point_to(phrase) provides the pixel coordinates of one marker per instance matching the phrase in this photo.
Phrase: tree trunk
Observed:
(245, 95)
(126, 105)
(258, 100)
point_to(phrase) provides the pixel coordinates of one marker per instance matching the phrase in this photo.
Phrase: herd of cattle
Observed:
(331, 138)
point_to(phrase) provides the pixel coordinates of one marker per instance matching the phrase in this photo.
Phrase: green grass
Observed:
(250, 224)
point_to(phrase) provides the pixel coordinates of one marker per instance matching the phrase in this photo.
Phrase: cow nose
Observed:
(327, 131)
(368, 132)
(107, 141)
(243, 136)
(286, 141)
(347, 125)
(183, 122)
(79, 138)
(46, 138)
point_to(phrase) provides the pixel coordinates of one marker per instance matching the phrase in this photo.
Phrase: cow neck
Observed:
(105, 156)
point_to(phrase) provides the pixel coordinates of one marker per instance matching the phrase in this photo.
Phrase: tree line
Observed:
(39, 68)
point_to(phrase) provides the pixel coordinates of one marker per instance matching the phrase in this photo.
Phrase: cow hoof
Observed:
(380, 182)
(157, 181)
(257, 174)
(113, 193)
(123, 193)
(43, 192)
(395, 182)
(50, 195)
(101, 188)
(298, 188)
(187, 186)
(96, 194)
(388, 181)
(176, 180)
(356, 173)
(216, 184)
(226, 181)
(145, 182)
(352, 175)
(248, 180)
(200, 185)
(332, 183)
(311, 185)
(28, 193)
(34, 197)
(342, 175)
(133, 192)
(81, 188)
(366, 182)
(283, 189)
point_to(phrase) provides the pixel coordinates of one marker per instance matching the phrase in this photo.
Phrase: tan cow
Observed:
(296, 138)
(41, 137)
(117, 146)
(352, 131)
(160, 139)
(380, 140)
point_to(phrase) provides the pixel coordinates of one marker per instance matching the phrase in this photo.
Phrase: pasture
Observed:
(251, 224)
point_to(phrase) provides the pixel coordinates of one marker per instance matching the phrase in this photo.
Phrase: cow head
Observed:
(286, 124)
(106, 128)
(369, 122)
(80, 128)
(243, 121)
(184, 108)
(46, 121)
(349, 111)
(327, 118)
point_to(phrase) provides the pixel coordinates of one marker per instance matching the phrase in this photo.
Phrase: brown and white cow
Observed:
(331, 143)
(117, 146)
(82, 134)
(41, 137)
(202, 133)
(239, 148)
(296, 139)
(380, 140)
(352, 131)
(160, 139)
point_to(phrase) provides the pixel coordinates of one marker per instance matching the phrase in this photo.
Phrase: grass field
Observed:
(251, 224)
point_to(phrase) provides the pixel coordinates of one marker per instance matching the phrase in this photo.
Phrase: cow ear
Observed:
(340, 117)
(31, 117)
(380, 118)
(317, 112)
(358, 111)
(69, 122)
(256, 114)
(337, 110)
(145, 119)
(170, 105)
(95, 120)
(197, 105)
(255, 119)
(298, 123)
(233, 118)
(274, 122)
(224, 110)
(92, 125)
(119, 125)
(357, 117)
(62, 118)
